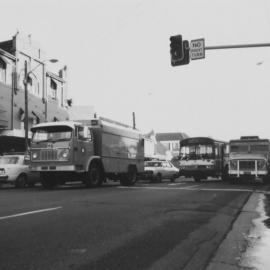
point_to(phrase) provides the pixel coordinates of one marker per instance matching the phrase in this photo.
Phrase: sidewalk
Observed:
(228, 255)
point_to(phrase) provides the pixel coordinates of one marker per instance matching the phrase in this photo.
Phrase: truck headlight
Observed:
(233, 164)
(34, 155)
(261, 165)
(63, 154)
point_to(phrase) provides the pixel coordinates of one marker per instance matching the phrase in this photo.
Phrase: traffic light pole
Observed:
(237, 46)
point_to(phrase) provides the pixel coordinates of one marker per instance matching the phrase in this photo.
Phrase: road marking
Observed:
(192, 188)
(176, 184)
(31, 213)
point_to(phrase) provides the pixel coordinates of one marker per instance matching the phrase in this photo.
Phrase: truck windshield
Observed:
(199, 151)
(52, 134)
(249, 148)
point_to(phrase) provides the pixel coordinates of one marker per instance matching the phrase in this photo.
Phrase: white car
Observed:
(14, 169)
(156, 170)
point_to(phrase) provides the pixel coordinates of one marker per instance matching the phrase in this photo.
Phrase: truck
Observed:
(90, 151)
(249, 159)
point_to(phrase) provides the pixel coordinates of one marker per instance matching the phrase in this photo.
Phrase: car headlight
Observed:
(261, 164)
(233, 164)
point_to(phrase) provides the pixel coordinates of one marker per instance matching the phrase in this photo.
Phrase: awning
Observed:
(38, 115)
(4, 59)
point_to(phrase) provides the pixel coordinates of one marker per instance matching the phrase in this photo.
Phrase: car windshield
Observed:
(52, 134)
(8, 160)
(153, 164)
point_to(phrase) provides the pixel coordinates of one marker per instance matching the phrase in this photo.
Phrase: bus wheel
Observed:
(48, 181)
(225, 174)
(94, 176)
(197, 178)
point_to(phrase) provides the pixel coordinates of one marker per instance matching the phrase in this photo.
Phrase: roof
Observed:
(199, 140)
(70, 124)
(171, 136)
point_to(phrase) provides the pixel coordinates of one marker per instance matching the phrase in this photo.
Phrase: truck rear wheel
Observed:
(130, 178)
(94, 176)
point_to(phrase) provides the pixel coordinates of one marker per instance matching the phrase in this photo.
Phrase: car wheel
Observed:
(197, 178)
(159, 178)
(32, 184)
(21, 181)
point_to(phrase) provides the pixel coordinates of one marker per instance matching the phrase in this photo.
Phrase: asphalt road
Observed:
(148, 226)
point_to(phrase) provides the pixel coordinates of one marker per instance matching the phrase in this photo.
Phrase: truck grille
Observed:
(48, 155)
(247, 164)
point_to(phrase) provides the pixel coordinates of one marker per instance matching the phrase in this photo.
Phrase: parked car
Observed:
(156, 170)
(14, 169)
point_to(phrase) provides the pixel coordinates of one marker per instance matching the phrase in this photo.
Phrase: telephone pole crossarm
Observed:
(237, 46)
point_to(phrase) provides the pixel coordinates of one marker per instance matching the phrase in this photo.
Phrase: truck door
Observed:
(83, 145)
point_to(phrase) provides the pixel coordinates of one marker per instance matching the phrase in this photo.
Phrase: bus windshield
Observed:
(52, 134)
(200, 151)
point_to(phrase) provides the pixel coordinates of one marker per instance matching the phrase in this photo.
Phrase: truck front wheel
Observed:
(94, 176)
(48, 180)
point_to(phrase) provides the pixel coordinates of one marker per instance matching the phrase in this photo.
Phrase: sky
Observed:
(118, 57)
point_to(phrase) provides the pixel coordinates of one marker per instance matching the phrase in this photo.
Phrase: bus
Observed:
(203, 157)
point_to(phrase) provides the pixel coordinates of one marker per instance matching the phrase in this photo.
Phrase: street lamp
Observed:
(26, 74)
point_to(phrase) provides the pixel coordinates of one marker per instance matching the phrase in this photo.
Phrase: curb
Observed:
(228, 255)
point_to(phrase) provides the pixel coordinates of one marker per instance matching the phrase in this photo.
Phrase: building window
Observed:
(3, 70)
(33, 85)
(175, 146)
(53, 85)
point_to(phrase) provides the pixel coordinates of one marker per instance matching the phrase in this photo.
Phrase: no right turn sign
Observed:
(197, 49)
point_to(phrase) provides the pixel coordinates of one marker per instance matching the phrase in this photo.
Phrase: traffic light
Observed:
(179, 51)
(176, 49)
(186, 57)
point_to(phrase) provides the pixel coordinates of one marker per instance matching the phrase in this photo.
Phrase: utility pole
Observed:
(25, 106)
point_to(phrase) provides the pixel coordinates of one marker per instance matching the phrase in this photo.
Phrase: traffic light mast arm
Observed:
(237, 46)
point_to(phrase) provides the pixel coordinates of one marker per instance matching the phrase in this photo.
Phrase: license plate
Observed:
(247, 172)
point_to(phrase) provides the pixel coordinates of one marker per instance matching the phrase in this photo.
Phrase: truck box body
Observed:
(70, 149)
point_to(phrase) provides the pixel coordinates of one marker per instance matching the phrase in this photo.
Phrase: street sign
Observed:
(197, 50)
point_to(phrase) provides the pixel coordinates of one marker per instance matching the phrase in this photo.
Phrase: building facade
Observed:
(171, 142)
(47, 92)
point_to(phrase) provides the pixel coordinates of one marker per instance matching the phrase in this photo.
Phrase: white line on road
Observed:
(192, 188)
(176, 184)
(31, 213)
